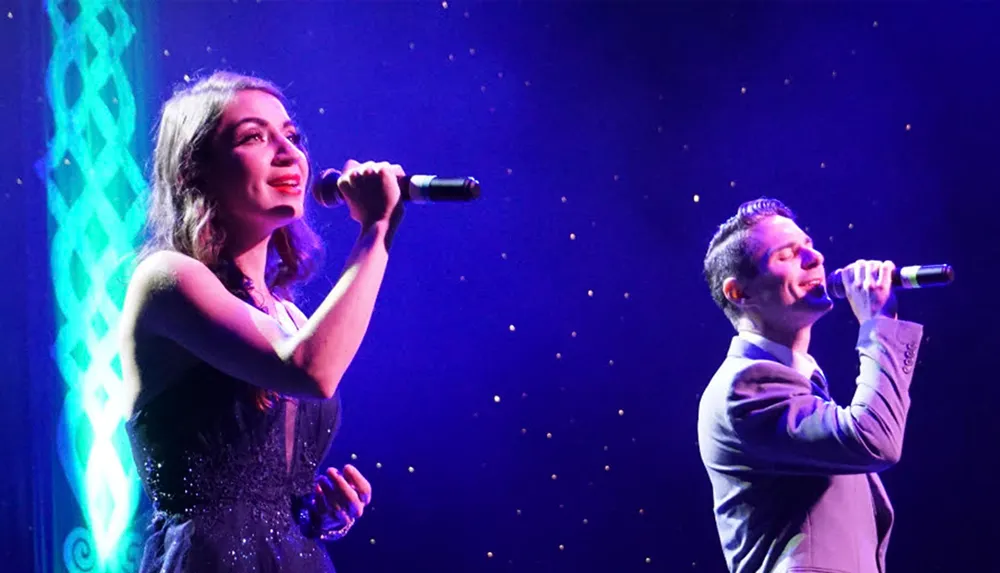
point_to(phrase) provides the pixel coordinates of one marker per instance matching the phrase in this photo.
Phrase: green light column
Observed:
(94, 190)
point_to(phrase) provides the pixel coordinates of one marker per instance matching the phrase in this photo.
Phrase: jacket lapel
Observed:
(740, 348)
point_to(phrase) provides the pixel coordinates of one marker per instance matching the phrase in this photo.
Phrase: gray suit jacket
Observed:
(794, 475)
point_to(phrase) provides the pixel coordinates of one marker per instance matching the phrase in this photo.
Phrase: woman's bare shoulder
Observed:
(164, 269)
(158, 359)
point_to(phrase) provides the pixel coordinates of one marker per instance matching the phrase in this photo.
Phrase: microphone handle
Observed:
(914, 276)
(423, 188)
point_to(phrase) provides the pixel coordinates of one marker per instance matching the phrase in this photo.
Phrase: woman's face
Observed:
(257, 171)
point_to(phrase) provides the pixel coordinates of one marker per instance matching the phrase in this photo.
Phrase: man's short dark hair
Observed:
(730, 253)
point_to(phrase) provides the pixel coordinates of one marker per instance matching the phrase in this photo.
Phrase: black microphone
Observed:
(915, 276)
(414, 188)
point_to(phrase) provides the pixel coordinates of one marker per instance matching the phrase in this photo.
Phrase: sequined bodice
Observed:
(209, 455)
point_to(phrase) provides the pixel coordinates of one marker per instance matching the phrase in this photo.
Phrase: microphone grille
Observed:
(325, 190)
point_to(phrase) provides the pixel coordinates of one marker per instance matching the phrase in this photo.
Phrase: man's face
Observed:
(790, 290)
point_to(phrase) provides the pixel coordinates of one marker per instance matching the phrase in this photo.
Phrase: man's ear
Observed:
(734, 292)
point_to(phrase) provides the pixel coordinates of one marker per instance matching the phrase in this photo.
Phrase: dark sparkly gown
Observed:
(229, 481)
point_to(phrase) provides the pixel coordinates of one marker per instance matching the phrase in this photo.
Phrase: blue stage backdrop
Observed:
(526, 397)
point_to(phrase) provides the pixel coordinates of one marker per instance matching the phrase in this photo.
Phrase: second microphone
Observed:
(913, 276)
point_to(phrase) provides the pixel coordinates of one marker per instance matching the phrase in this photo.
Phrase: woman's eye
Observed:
(252, 136)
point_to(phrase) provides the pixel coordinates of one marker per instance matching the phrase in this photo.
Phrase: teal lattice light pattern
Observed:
(94, 187)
